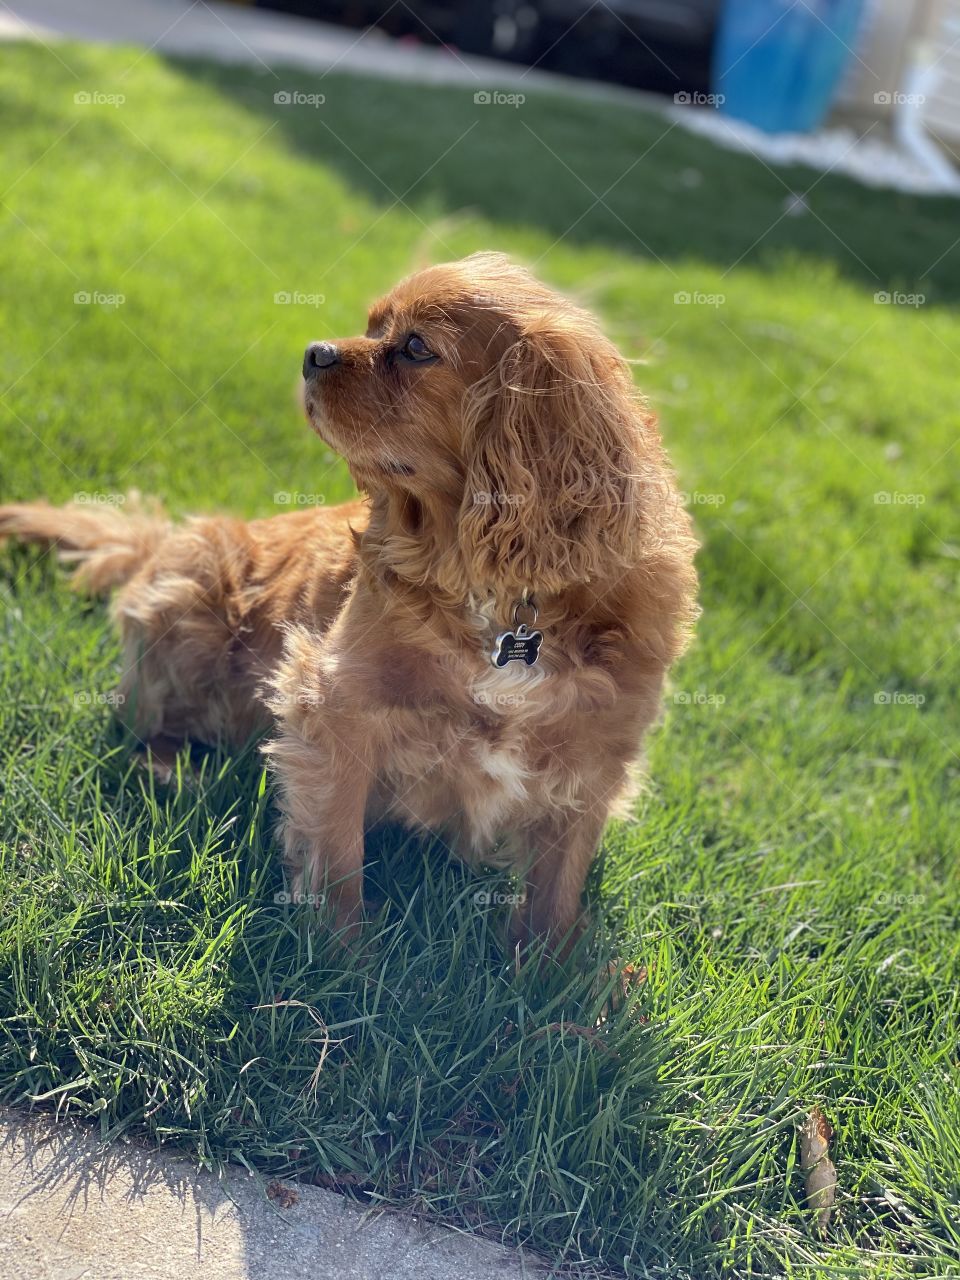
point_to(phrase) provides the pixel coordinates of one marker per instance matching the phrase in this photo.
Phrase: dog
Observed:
(477, 647)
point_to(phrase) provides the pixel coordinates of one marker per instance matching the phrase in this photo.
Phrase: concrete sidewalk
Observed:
(72, 1209)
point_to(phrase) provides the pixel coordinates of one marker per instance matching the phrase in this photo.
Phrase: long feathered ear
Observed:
(558, 453)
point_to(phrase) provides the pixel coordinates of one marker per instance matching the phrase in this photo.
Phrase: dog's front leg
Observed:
(560, 850)
(323, 789)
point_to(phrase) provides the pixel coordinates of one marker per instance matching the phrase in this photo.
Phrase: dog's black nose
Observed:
(319, 356)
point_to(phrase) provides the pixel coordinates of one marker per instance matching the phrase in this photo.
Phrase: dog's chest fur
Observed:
(483, 763)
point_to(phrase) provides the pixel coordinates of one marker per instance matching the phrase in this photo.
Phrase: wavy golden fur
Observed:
(505, 455)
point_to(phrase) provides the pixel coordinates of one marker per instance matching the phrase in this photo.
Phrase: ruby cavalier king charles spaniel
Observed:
(476, 647)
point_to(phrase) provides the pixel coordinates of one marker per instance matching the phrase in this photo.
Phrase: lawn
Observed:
(787, 893)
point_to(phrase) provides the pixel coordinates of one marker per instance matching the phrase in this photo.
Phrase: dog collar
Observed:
(521, 644)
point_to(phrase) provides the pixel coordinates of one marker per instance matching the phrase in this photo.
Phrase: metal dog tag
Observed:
(521, 645)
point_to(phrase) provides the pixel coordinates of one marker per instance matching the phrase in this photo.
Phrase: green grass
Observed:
(790, 881)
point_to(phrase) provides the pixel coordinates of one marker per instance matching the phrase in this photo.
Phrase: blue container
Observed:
(778, 63)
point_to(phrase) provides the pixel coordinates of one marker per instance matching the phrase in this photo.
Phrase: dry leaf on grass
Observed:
(821, 1176)
(590, 1034)
(336, 1181)
(626, 979)
(630, 975)
(284, 1197)
(324, 1039)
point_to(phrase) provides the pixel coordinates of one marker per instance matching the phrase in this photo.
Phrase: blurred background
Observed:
(780, 64)
(887, 68)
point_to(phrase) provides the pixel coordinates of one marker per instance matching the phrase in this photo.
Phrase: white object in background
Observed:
(924, 108)
(869, 158)
(941, 83)
(875, 71)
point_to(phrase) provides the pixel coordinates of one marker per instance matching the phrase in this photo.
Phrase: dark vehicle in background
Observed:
(663, 46)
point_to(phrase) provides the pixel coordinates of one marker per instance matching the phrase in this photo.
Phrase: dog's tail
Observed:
(108, 545)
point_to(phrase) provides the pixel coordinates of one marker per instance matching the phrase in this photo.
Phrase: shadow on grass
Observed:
(598, 174)
(152, 978)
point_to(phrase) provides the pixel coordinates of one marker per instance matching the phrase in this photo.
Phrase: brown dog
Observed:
(512, 474)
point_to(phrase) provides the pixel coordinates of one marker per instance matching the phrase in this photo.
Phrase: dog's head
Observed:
(492, 403)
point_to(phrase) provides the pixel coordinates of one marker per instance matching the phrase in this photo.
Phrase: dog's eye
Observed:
(416, 349)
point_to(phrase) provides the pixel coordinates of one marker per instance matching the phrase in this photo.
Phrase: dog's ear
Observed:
(555, 444)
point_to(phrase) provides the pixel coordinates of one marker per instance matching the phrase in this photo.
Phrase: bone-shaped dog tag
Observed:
(521, 645)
